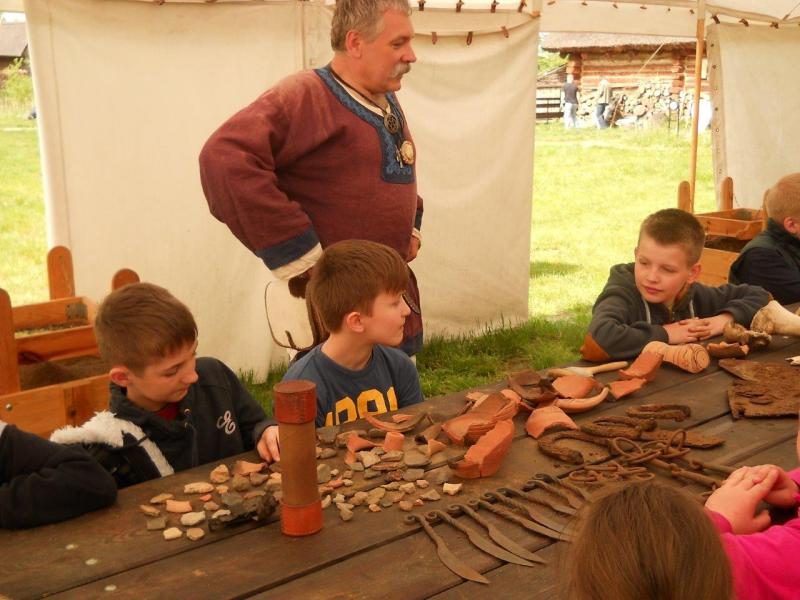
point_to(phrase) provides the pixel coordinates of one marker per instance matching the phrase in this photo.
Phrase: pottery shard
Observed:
(356, 443)
(193, 518)
(395, 497)
(644, 367)
(222, 512)
(371, 473)
(195, 533)
(341, 439)
(408, 488)
(222, 489)
(327, 435)
(368, 459)
(393, 441)
(689, 357)
(173, 533)
(484, 458)
(442, 475)
(393, 456)
(575, 386)
(415, 458)
(199, 487)
(419, 502)
(359, 498)
(726, 350)
(220, 474)
(206, 497)
(150, 511)
(257, 479)
(179, 506)
(623, 387)
(414, 474)
(211, 505)
(422, 484)
(323, 473)
(345, 514)
(406, 505)
(157, 524)
(451, 489)
(242, 467)
(431, 496)
(374, 508)
(326, 501)
(434, 447)
(546, 418)
(240, 483)
(374, 496)
(328, 453)
(161, 498)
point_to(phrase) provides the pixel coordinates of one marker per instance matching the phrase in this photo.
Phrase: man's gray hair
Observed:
(362, 15)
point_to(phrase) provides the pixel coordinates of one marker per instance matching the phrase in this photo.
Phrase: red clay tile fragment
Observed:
(394, 440)
(644, 367)
(575, 386)
(356, 443)
(435, 446)
(726, 350)
(242, 467)
(576, 405)
(546, 418)
(624, 387)
(484, 458)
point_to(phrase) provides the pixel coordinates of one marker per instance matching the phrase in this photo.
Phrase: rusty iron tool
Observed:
(531, 526)
(546, 526)
(481, 543)
(541, 483)
(446, 555)
(556, 506)
(699, 465)
(499, 538)
(563, 482)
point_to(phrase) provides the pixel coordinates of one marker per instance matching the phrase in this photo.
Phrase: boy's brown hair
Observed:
(783, 199)
(644, 540)
(675, 226)
(350, 275)
(140, 324)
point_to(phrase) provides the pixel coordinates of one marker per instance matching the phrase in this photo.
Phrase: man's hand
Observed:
(268, 446)
(737, 498)
(413, 248)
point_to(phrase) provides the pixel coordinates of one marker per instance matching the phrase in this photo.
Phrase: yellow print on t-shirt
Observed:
(368, 402)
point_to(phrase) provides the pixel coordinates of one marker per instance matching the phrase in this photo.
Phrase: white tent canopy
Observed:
(128, 92)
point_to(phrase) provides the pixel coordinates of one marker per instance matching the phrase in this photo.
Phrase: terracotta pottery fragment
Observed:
(393, 441)
(625, 387)
(199, 487)
(576, 405)
(547, 417)
(401, 427)
(481, 419)
(195, 533)
(644, 367)
(405, 505)
(422, 484)
(689, 357)
(429, 433)
(401, 417)
(431, 496)
(220, 474)
(327, 435)
(179, 506)
(415, 458)
(575, 386)
(726, 350)
(206, 497)
(173, 533)
(211, 506)
(242, 467)
(356, 443)
(434, 447)
(486, 455)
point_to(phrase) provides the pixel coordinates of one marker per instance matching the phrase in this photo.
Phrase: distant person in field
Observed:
(772, 258)
(570, 98)
(603, 99)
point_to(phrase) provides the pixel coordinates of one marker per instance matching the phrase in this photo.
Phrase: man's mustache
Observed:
(401, 69)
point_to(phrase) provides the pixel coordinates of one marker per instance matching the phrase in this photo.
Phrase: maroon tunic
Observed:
(306, 164)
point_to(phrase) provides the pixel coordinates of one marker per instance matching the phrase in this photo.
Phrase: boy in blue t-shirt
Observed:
(356, 288)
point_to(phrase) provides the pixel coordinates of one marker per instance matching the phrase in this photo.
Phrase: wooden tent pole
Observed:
(698, 73)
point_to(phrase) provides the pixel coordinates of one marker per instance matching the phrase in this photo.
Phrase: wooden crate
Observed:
(737, 223)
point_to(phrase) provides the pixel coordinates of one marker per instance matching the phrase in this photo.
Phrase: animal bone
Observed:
(775, 319)
(735, 333)
(689, 357)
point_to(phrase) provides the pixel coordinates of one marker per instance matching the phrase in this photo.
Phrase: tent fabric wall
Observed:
(130, 91)
(756, 124)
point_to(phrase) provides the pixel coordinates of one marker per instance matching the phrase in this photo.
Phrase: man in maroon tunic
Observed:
(326, 155)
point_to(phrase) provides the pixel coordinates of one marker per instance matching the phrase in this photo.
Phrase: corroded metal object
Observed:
(538, 481)
(675, 412)
(481, 543)
(445, 554)
(499, 537)
(528, 524)
(521, 507)
(563, 482)
(559, 507)
(549, 445)
(763, 389)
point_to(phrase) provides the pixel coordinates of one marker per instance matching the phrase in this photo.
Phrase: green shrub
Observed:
(17, 87)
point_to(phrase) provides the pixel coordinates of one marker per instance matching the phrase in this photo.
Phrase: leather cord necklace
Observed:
(390, 120)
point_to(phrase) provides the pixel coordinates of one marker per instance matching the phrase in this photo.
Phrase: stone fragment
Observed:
(278, 495)
(240, 483)
(318, 451)
(173, 533)
(395, 497)
(452, 488)
(344, 505)
(394, 456)
(161, 498)
(442, 475)
(359, 498)
(328, 453)
(222, 512)
(422, 484)
(150, 511)
(232, 500)
(379, 451)
(193, 518)
(415, 458)
(408, 488)
(254, 494)
(414, 474)
(179, 506)
(418, 502)
(431, 495)
(405, 505)
(394, 485)
(220, 474)
(327, 435)
(374, 495)
(222, 489)
(206, 497)
(368, 458)
(326, 501)
(347, 474)
(91, 561)
(211, 505)
(275, 467)
(357, 467)
(272, 486)
(345, 514)
(374, 508)
(198, 487)
(257, 479)
(347, 482)
(338, 498)
(276, 477)
(324, 489)
(334, 472)
(371, 474)
(323, 473)
(156, 524)
(386, 503)
(375, 433)
(242, 467)
(396, 475)
(195, 533)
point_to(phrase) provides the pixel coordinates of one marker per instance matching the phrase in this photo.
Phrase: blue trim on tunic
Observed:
(290, 250)
(391, 170)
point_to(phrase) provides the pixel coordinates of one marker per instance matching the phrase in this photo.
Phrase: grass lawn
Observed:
(592, 188)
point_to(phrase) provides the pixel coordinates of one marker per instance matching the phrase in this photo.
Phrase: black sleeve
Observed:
(44, 482)
(767, 268)
(617, 337)
(251, 417)
(742, 301)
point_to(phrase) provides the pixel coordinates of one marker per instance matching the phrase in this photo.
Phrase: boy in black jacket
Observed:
(168, 410)
(658, 297)
(42, 482)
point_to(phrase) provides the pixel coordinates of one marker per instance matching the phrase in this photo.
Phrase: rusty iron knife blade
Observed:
(481, 542)
(447, 557)
(500, 538)
(527, 523)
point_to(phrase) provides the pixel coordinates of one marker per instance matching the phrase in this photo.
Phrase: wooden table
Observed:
(110, 554)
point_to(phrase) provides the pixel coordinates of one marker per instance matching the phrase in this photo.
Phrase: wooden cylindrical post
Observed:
(295, 411)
